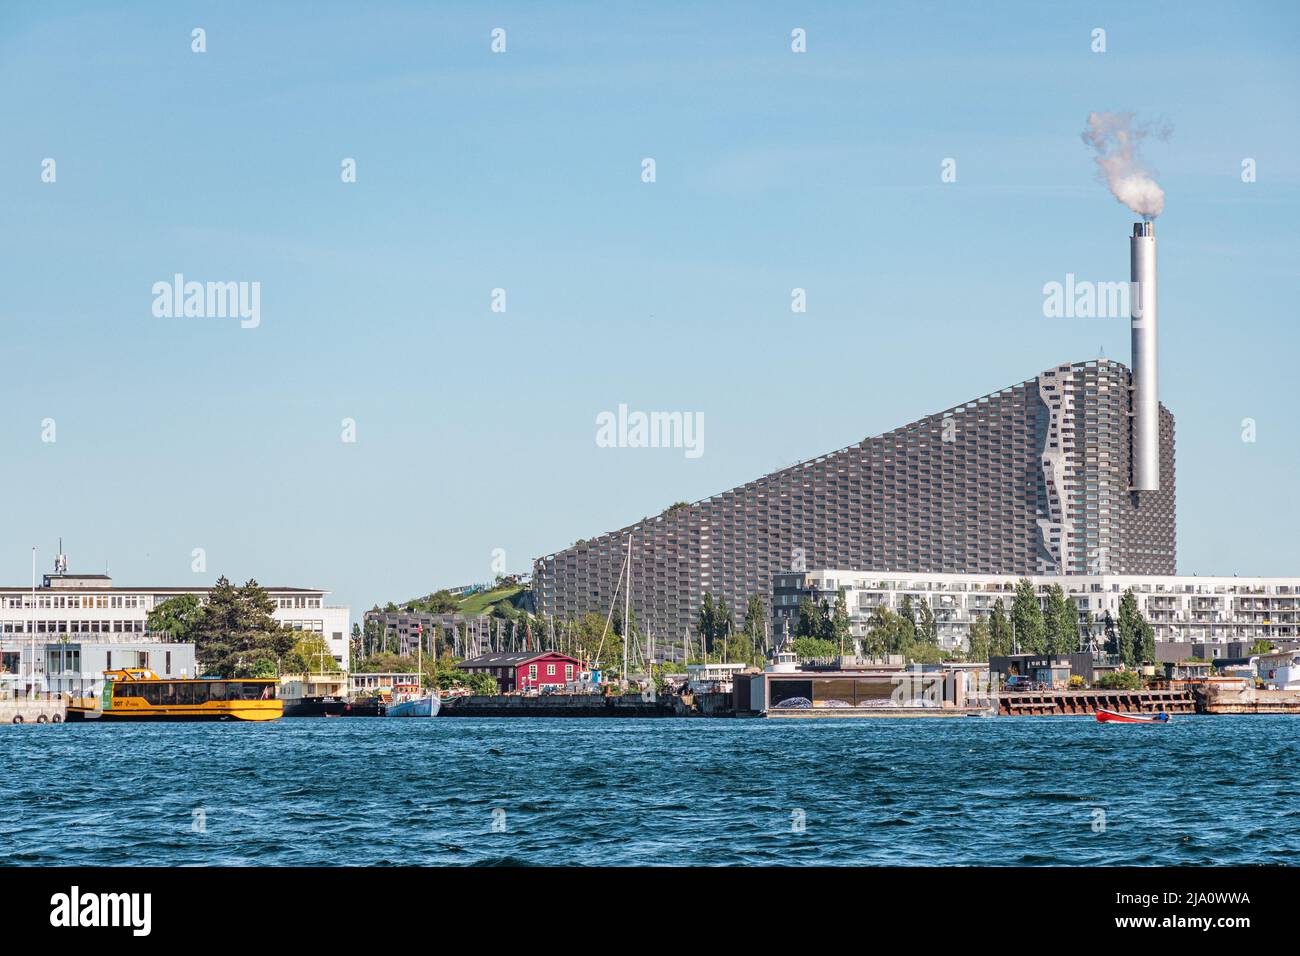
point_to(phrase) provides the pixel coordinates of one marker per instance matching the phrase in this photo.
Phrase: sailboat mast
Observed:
(627, 607)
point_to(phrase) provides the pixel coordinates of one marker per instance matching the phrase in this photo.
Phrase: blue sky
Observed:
(475, 430)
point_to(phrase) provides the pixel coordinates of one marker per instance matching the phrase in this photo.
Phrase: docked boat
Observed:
(1112, 716)
(137, 693)
(314, 695)
(410, 701)
(363, 707)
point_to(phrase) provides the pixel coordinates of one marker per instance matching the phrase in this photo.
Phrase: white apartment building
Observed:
(1181, 608)
(69, 611)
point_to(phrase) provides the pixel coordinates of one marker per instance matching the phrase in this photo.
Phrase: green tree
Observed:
(1128, 631)
(825, 622)
(263, 667)
(373, 639)
(922, 653)
(756, 628)
(481, 684)
(1119, 680)
(1061, 622)
(1070, 627)
(1144, 648)
(310, 655)
(809, 648)
(238, 631)
(979, 639)
(740, 647)
(812, 620)
(927, 628)
(882, 632)
(724, 624)
(616, 621)
(591, 647)
(1027, 617)
(840, 634)
(907, 621)
(1000, 637)
(176, 616)
(705, 628)
(384, 663)
(439, 602)
(442, 672)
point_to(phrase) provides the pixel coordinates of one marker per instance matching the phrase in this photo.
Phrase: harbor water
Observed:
(1035, 791)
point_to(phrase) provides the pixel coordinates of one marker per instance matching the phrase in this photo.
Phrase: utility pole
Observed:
(31, 687)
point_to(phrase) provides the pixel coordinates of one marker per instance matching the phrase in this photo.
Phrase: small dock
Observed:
(1055, 703)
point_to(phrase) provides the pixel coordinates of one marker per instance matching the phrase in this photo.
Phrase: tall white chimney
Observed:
(1145, 450)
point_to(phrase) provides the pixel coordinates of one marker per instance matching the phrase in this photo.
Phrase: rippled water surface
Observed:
(1203, 790)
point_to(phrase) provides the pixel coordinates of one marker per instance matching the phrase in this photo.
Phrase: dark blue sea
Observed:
(1049, 791)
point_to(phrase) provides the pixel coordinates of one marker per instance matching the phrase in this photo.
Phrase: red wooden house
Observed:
(530, 670)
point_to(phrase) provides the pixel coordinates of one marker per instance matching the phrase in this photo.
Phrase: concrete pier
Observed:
(1225, 698)
(32, 711)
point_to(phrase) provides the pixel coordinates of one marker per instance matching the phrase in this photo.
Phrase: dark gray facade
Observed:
(1033, 479)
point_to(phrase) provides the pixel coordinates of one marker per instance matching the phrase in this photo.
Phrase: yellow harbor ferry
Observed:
(137, 693)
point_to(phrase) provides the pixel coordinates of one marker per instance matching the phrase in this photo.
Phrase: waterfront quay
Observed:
(34, 711)
(1057, 703)
(562, 705)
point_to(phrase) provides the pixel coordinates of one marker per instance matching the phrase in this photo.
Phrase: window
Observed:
(532, 672)
(568, 672)
(550, 670)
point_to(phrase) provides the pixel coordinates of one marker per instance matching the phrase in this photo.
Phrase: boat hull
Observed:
(369, 707)
(421, 707)
(315, 707)
(160, 715)
(1114, 717)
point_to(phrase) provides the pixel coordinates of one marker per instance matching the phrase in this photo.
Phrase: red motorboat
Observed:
(1111, 716)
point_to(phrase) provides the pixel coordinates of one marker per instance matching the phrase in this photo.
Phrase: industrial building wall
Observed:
(960, 490)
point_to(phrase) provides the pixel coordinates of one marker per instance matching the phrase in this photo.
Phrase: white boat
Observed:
(410, 701)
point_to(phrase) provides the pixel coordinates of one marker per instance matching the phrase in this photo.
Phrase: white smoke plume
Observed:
(1117, 139)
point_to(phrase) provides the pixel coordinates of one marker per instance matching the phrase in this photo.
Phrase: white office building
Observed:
(1190, 609)
(82, 624)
